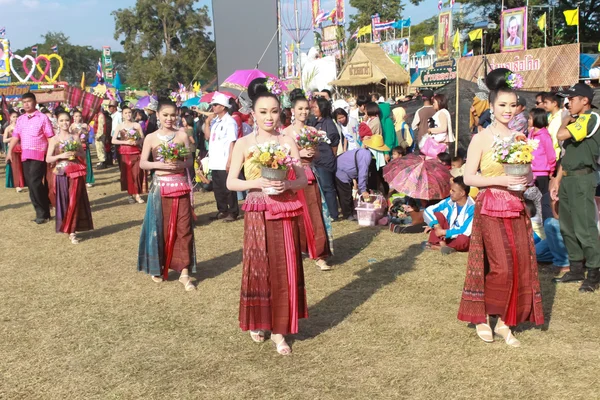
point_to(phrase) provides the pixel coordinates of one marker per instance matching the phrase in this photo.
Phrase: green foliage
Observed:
(165, 42)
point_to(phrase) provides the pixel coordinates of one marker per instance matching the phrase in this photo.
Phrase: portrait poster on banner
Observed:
(444, 35)
(398, 50)
(513, 30)
(4, 61)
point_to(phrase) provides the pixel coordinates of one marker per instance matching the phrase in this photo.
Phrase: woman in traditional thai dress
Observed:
(316, 234)
(167, 238)
(14, 169)
(129, 149)
(502, 277)
(273, 297)
(73, 212)
(82, 130)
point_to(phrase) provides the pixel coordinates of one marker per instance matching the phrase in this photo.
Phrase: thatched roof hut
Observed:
(369, 70)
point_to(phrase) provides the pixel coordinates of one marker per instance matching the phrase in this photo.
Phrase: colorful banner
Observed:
(316, 8)
(290, 67)
(340, 8)
(444, 43)
(398, 50)
(107, 64)
(4, 58)
(331, 48)
(513, 30)
(376, 35)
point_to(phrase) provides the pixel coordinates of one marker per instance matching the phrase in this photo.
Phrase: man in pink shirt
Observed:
(34, 129)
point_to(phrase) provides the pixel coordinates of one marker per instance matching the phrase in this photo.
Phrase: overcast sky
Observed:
(88, 22)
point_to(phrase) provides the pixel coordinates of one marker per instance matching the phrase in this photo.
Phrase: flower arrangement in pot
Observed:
(515, 153)
(274, 161)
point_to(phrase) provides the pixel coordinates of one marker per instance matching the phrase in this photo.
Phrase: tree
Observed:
(165, 42)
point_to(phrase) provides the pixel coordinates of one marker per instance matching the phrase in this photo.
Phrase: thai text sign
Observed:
(542, 69)
(360, 70)
(441, 73)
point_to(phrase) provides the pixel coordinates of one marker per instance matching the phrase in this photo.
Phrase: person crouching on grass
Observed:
(450, 220)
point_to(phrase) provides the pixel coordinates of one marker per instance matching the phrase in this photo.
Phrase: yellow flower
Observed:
(264, 158)
(280, 154)
(527, 149)
(526, 157)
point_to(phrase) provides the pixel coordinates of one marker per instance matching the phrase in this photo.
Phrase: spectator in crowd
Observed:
(420, 123)
(552, 249)
(450, 221)
(440, 129)
(324, 161)
(480, 107)
(544, 157)
(349, 127)
(539, 99)
(445, 159)
(352, 165)
(398, 152)
(519, 121)
(457, 165)
(552, 106)
(412, 209)
(221, 130)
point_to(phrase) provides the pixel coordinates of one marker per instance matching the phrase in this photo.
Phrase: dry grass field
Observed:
(79, 322)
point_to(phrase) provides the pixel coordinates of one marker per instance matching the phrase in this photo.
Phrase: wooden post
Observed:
(457, 110)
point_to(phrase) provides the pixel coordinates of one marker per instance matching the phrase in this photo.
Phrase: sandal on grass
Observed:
(157, 279)
(484, 331)
(322, 264)
(257, 336)
(505, 333)
(131, 200)
(282, 347)
(187, 283)
(73, 239)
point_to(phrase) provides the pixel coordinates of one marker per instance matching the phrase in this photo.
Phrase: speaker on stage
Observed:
(244, 30)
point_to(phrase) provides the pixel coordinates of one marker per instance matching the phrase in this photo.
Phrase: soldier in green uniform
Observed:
(575, 186)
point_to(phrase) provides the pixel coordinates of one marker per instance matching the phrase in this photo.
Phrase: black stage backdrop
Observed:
(243, 30)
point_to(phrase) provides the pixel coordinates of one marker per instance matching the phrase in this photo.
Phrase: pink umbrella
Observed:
(418, 178)
(207, 97)
(240, 79)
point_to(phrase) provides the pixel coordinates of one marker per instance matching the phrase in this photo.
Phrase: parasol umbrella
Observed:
(418, 178)
(240, 79)
(207, 97)
(192, 102)
(143, 102)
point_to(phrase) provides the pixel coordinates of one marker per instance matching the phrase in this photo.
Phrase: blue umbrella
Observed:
(192, 102)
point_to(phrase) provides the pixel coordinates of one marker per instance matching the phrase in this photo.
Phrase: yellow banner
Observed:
(572, 16)
(476, 34)
(428, 40)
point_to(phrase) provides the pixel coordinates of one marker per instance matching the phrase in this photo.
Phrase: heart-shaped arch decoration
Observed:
(37, 65)
(49, 59)
(28, 71)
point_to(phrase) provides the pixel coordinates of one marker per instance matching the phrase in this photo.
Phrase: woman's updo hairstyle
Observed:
(165, 102)
(257, 89)
(59, 111)
(497, 83)
(297, 95)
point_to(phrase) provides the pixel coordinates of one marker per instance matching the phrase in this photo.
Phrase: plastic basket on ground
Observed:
(369, 212)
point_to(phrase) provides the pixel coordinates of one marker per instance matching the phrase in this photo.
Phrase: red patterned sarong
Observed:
(17, 167)
(131, 173)
(313, 236)
(502, 276)
(273, 296)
